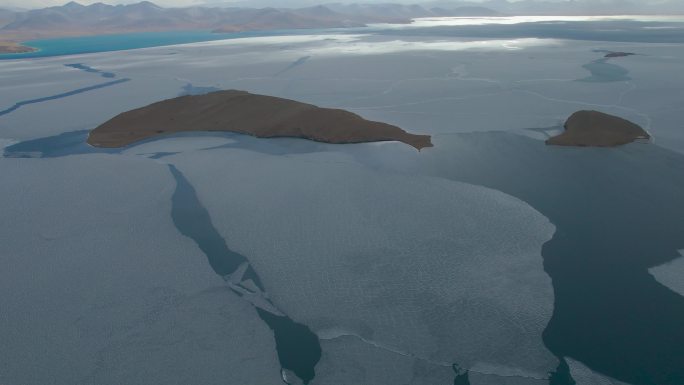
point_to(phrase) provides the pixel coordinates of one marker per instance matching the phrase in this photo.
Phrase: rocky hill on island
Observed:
(242, 112)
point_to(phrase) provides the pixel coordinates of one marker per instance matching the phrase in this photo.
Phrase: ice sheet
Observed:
(438, 88)
(585, 376)
(671, 274)
(349, 361)
(445, 271)
(99, 287)
(341, 248)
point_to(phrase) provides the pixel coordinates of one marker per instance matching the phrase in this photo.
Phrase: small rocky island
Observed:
(242, 112)
(597, 129)
(11, 47)
(618, 54)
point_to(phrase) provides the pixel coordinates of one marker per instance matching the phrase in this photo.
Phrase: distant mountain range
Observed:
(75, 19)
(6, 17)
(578, 7)
(518, 7)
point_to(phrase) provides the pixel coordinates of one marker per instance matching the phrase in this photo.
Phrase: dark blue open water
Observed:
(298, 347)
(617, 211)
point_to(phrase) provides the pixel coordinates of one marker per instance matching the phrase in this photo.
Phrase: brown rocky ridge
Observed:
(618, 54)
(242, 112)
(597, 129)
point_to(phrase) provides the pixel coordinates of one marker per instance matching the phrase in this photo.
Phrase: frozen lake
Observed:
(270, 260)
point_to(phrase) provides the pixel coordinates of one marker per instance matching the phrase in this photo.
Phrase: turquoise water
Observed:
(120, 42)
(604, 31)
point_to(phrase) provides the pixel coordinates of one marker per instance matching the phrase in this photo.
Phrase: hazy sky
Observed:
(284, 3)
(175, 3)
(49, 3)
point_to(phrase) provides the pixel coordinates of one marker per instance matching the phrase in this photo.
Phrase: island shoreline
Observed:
(10, 47)
(241, 112)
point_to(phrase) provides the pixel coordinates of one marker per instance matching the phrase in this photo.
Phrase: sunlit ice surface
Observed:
(509, 20)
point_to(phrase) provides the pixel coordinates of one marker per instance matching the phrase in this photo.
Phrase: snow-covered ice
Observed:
(444, 271)
(99, 287)
(671, 274)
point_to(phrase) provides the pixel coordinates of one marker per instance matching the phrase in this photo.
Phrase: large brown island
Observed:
(597, 129)
(242, 112)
